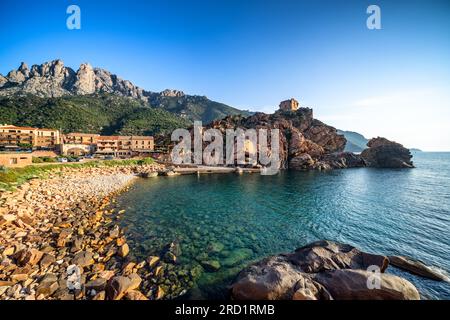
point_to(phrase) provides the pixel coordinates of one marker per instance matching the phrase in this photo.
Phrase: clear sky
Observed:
(393, 82)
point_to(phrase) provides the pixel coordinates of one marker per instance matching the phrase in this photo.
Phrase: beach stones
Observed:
(28, 256)
(123, 251)
(7, 218)
(119, 286)
(98, 284)
(83, 259)
(48, 285)
(152, 261)
(47, 260)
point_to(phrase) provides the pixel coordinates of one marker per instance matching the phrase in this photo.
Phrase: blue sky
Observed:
(393, 82)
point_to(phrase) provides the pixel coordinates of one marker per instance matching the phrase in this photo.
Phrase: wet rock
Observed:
(417, 268)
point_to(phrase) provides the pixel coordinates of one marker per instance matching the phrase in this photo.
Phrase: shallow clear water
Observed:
(237, 219)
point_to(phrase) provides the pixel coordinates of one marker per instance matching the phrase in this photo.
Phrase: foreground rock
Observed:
(417, 268)
(383, 153)
(348, 284)
(323, 270)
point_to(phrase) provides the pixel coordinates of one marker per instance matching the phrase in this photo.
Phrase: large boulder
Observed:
(350, 284)
(327, 255)
(275, 278)
(383, 153)
(322, 270)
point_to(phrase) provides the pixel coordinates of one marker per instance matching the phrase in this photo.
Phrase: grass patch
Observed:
(10, 178)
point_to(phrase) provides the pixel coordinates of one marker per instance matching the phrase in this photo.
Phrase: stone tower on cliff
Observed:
(289, 105)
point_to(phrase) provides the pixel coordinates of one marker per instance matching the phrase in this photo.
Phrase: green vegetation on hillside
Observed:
(195, 107)
(105, 114)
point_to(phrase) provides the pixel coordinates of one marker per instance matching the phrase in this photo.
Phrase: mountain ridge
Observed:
(54, 80)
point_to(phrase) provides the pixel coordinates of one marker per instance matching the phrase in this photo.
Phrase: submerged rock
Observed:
(237, 256)
(211, 265)
(322, 270)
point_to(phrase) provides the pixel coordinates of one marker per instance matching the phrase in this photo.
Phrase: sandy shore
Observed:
(64, 228)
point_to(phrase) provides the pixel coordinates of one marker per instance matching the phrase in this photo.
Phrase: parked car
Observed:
(89, 157)
(62, 160)
(109, 158)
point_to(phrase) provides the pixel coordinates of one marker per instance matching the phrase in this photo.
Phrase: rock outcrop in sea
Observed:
(383, 153)
(309, 144)
(322, 270)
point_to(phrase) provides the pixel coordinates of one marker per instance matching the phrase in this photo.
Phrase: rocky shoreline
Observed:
(60, 240)
(65, 228)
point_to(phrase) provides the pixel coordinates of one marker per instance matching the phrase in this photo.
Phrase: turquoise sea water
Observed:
(236, 219)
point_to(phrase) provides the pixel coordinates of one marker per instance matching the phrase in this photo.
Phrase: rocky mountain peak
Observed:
(53, 79)
(23, 68)
(172, 93)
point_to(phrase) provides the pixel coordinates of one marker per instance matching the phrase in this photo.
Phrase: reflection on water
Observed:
(222, 222)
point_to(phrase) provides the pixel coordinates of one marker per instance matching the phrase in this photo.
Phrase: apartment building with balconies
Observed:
(15, 137)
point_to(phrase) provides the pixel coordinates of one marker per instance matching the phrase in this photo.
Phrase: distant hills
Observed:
(356, 142)
(51, 86)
